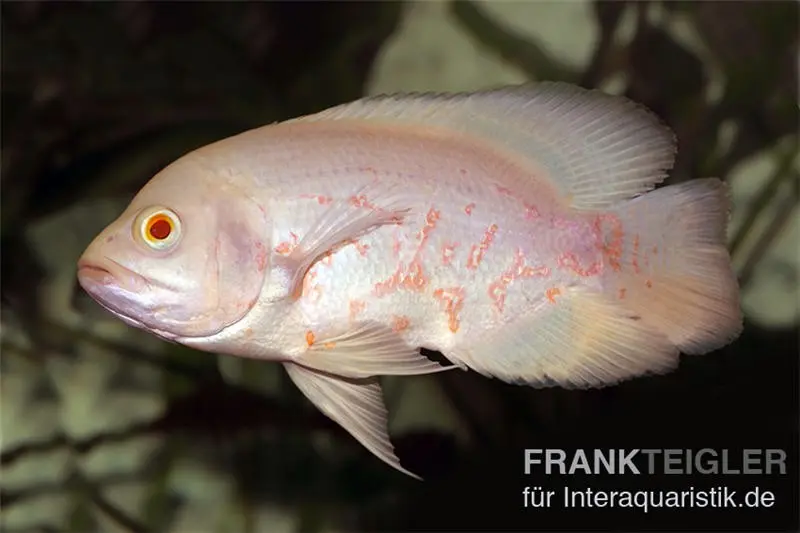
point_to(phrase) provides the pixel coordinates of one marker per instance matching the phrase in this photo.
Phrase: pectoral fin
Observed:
(345, 220)
(355, 404)
(367, 350)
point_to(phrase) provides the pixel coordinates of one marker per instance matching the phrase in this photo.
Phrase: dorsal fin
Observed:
(599, 149)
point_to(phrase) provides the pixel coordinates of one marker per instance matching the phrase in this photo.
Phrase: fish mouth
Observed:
(94, 274)
(113, 286)
(110, 273)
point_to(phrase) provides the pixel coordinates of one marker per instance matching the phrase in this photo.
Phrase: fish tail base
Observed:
(673, 268)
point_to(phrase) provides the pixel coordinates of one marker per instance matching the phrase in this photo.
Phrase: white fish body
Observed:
(513, 230)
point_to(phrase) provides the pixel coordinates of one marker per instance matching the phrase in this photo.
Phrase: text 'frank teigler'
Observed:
(747, 461)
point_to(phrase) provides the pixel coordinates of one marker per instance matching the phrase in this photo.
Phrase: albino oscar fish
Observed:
(516, 231)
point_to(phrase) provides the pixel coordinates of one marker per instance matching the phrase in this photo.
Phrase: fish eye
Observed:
(158, 227)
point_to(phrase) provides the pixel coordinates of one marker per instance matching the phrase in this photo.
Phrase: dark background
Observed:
(97, 97)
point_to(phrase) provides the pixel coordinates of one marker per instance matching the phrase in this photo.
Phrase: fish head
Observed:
(186, 259)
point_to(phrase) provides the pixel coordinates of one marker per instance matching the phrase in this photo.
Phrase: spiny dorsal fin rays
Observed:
(596, 148)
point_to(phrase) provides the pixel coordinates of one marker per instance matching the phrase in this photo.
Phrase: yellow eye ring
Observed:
(158, 227)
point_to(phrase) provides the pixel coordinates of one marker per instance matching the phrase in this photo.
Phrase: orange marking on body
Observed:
(447, 253)
(356, 306)
(389, 285)
(329, 345)
(261, 256)
(321, 199)
(611, 251)
(635, 260)
(552, 293)
(400, 323)
(310, 338)
(430, 219)
(327, 258)
(497, 292)
(479, 250)
(286, 247)
(532, 272)
(622, 293)
(411, 277)
(568, 261)
(414, 278)
(361, 248)
(649, 284)
(530, 211)
(468, 209)
(361, 201)
(499, 288)
(453, 299)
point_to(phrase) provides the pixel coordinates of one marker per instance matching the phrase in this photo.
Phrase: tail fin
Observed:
(674, 269)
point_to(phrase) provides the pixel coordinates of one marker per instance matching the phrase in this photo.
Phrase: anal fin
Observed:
(580, 340)
(355, 404)
(366, 350)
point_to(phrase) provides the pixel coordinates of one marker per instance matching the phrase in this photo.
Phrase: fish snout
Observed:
(89, 274)
(98, 276)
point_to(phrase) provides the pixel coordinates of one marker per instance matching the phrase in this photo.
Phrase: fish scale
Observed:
(455, 226)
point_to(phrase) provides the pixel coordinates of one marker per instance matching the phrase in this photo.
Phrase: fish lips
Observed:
(120, 291)
(110, 276)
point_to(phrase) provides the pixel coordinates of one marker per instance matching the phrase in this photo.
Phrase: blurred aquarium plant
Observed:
(108, 429)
